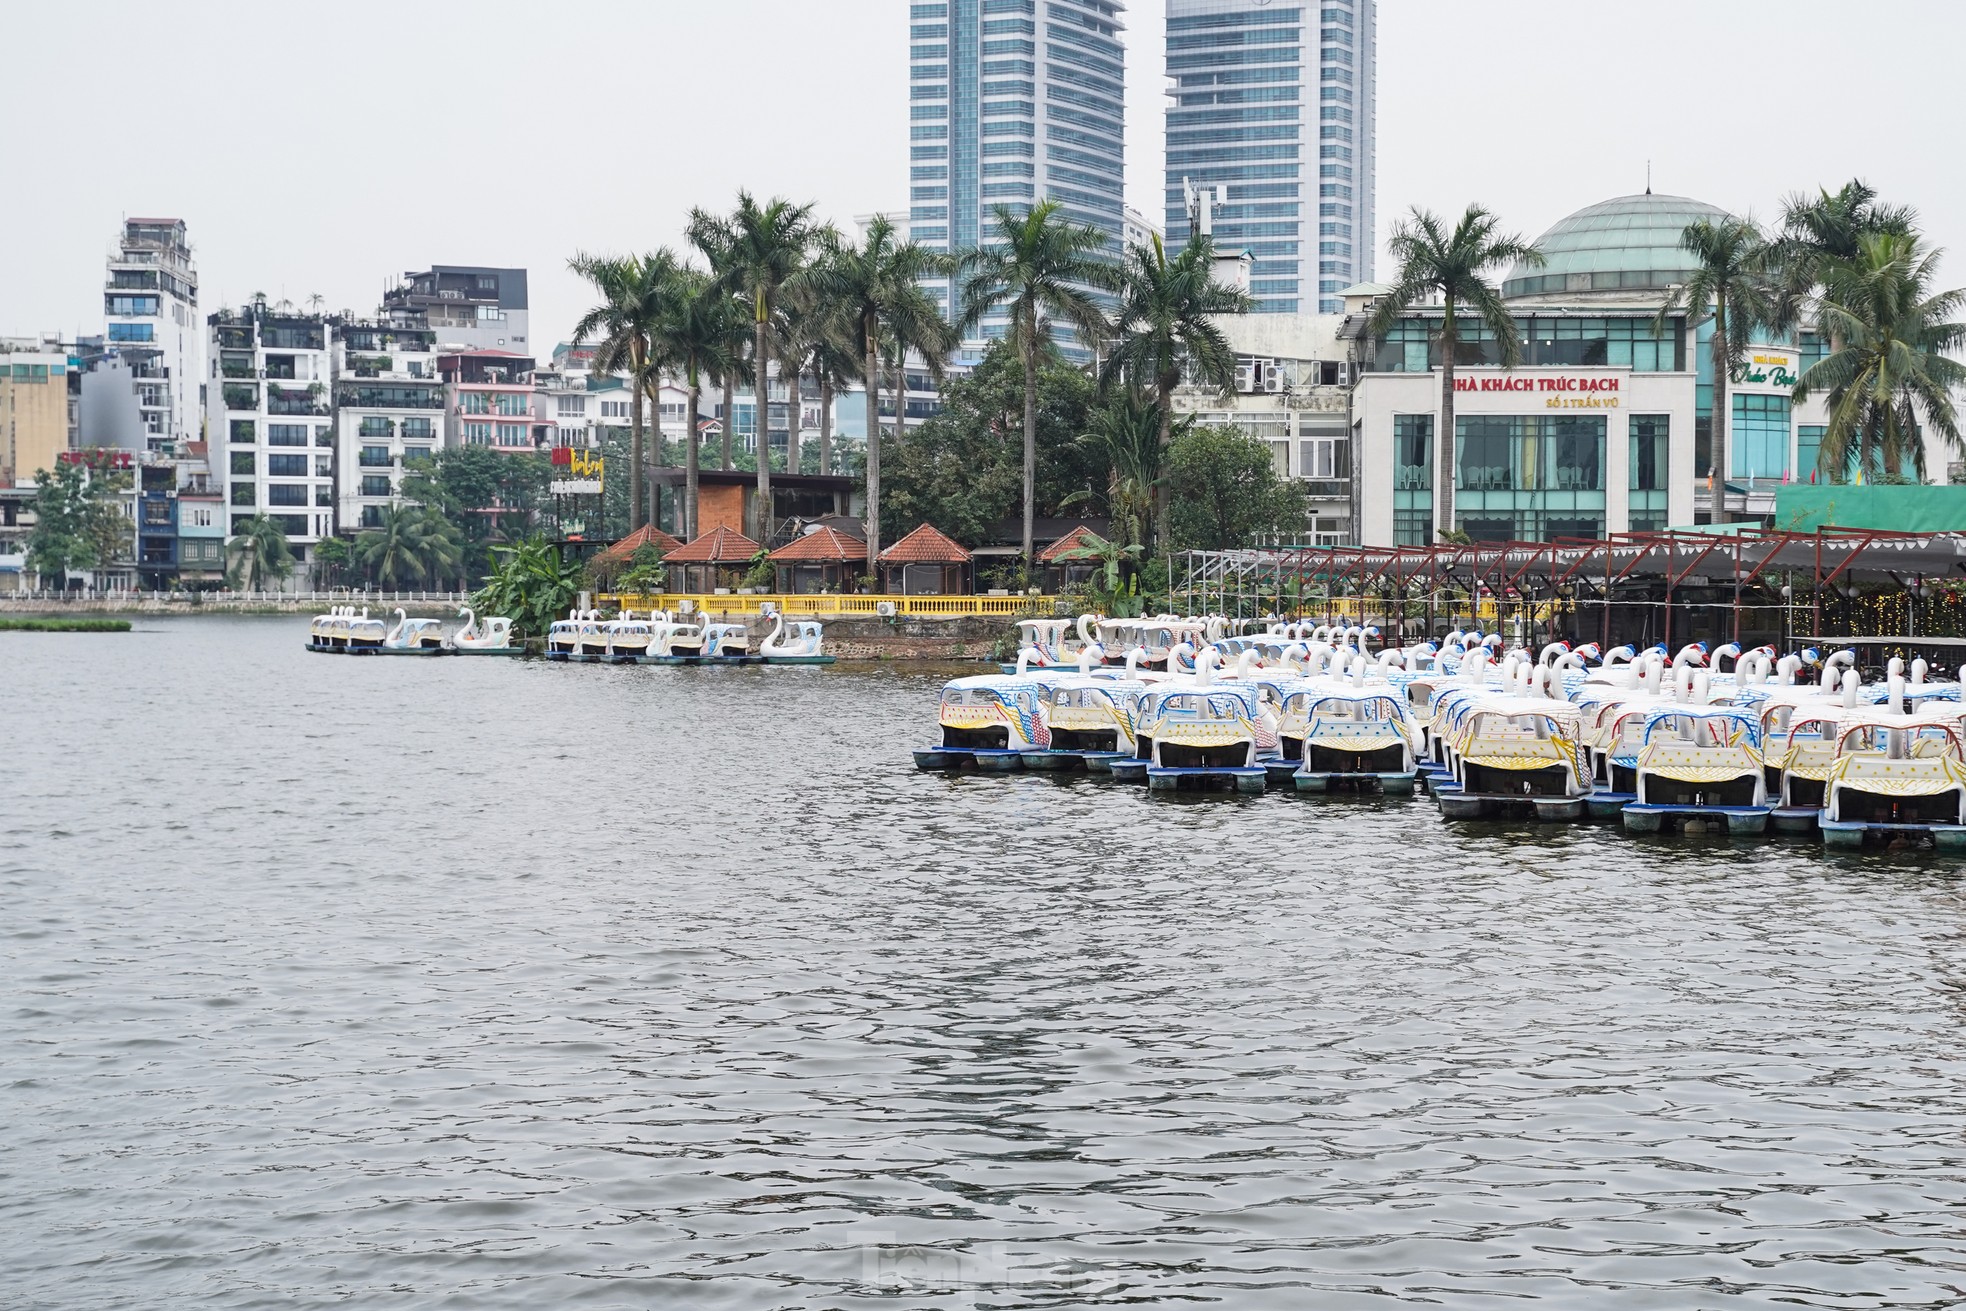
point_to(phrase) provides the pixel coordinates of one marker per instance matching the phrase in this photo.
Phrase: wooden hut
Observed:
(611, 563)
(927, 562)
(822, 559)
(1059, 573)
(717, 559)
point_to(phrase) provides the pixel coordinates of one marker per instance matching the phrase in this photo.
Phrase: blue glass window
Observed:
(1758, 442)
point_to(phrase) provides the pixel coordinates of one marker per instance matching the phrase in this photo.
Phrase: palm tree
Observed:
(633, 289)
(1732, 287)
(877, 286)
(1897, 336)
(413, 545)
(1131, 430)
(762, 247)
(258, 554)
(1453, 266)
(1166, 323)
(1043, 267)
(1821, 231)
(704, 328)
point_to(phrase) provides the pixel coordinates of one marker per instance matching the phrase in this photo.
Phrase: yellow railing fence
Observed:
(823, 604)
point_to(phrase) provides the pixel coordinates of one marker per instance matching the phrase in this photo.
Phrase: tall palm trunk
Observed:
(1717, 495)
(1450, 340)
(636, 452)
(825, 422)
(795, 397)
(763, 427)
(655, 435)
(1030, 448)
(730, 414)
(691, 458)
(873, 449)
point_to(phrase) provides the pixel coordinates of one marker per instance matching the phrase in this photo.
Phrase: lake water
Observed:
(498, 984)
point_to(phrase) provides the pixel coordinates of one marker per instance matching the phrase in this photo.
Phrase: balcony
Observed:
(368, 461)
(236, 338)
(313, 401)
(236, 368)
(370, 366)
(323, 497)
(241, 398)
(376, 428)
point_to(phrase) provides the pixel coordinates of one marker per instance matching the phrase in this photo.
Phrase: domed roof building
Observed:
(1626, 248)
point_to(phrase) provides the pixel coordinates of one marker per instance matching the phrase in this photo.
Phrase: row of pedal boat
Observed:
(1724, 741)
(655, 638)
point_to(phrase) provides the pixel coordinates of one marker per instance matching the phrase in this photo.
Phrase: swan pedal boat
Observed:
(1699, 767)
(1510, 755)
(493, 639)
(1895, 776)
(708, 644)
(803, 646)
(1348, 738)
(988, 722)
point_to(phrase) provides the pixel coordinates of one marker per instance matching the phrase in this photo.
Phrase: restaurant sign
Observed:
(586, 473)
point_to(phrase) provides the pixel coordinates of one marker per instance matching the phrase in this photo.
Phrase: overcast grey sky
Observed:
(330, 148)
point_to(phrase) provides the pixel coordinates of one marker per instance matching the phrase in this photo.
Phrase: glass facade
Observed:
(1651, 468)
(1012, 101)
(1758, 438)
(1413, 479)
(1529, 478)
(1275, 106)
(1411, 346)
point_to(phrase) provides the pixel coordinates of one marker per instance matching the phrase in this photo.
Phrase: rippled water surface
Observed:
(482, 983)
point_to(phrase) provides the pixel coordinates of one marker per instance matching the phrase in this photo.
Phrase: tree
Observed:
(1820, 232)
(333, 558)
(633, 290)
(1131, 432)
(877, 287)
(61, 541)
(962, 469)
(762, 247)
(1731, 286)
(532, 585)
(1115, 586)
(413, 546)
(704, 330)
(486, 495)
(1166, 323)
(1894, 362)
(1226, 494)
(1042, 268)
(257, 555)
(1453, 266)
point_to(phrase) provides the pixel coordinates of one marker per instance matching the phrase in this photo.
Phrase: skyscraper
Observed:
(1274, 104)
(150, 304)
(1011, 101)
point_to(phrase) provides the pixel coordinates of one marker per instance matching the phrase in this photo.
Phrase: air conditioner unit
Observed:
(767, 608)
(885, 609)
(1245, 378)
(1273, 377)
(686, 606)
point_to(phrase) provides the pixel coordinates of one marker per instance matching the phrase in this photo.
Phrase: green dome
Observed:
(1629, 244)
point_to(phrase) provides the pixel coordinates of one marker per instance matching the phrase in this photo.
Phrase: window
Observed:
(1413, 479)
(571, 407)
(286, 434)
(146, 305)
(512, 434)
(242, 494)
(1530, 478)
(1649, 452)
(419, 428)
(132, 332)
(286, 466)
(614, 409)
(474, 402)
(476, 434)
(242, 463)
(374, 457)
(244, 430)
(1758, 440)
(1808, 450)
(375, 484)
(286, 494)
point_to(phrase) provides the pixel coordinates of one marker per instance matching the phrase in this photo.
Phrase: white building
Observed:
(1605, 427)
(267, 409)
(1292, 390)
(150, 308)
(1137, 229)
(468, 307)
(388, 416)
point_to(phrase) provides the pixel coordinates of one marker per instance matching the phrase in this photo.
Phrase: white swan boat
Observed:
(493, 638)
(420, 637)
(800, 643)
(987, 722)
(563, 636)
(1897, 775)
(1351, 737)
(1510, 754)
(1698, 766)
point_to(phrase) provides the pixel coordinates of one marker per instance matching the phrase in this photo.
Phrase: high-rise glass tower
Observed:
(1011, 101)
(1274, 103)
